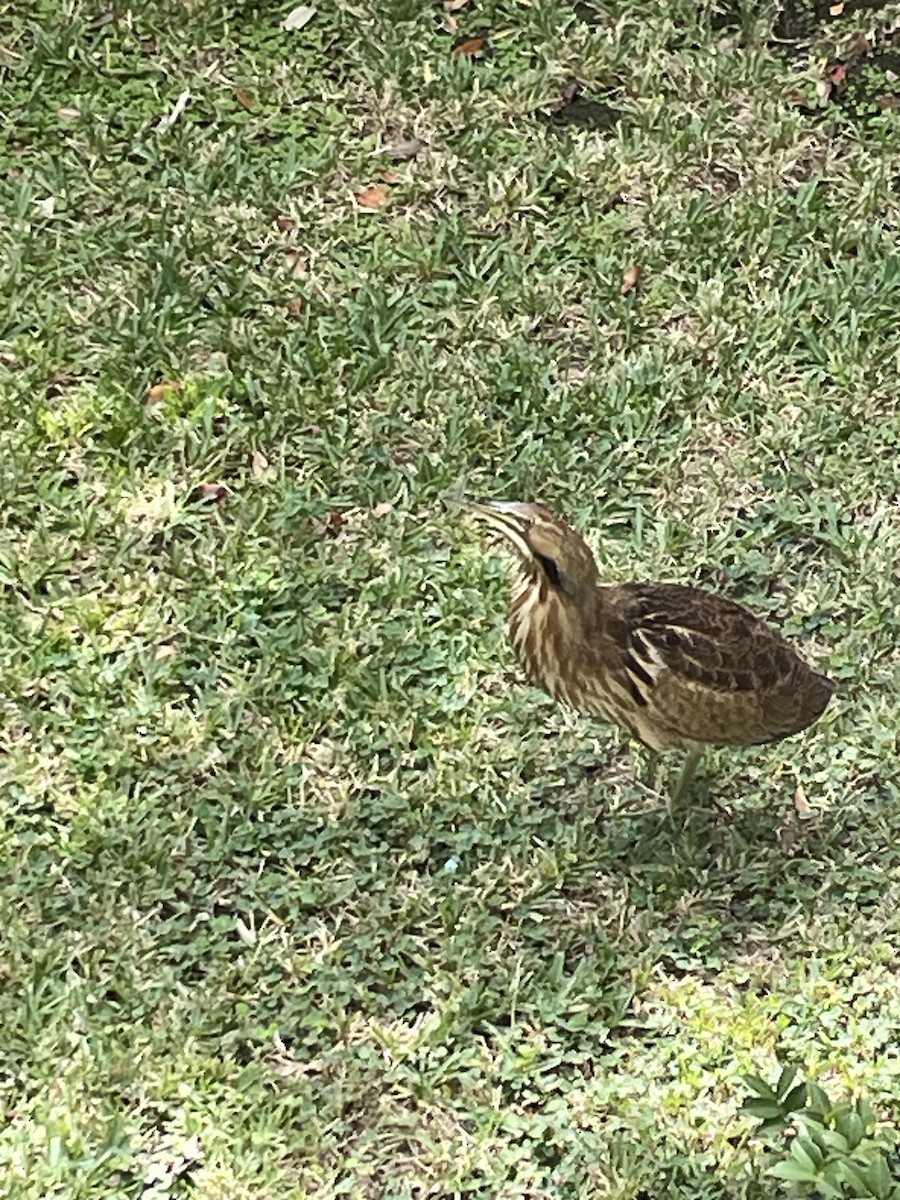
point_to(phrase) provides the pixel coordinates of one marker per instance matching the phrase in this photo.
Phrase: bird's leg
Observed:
(650, 770)
(684, 780)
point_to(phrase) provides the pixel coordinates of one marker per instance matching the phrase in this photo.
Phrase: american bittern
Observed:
(675, 666)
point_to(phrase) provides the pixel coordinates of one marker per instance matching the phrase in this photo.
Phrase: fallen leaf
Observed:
(298, 17)
(470, 47)
(835, 10)
(209, 493)
(886, 102)
(390, 177)
(631, 278)
(455, 5)
(382, 509)
(285, 224)
(836, 75)
(295, 306)
(372, 197)
(165, 650)
(859, 44)
(403, 150)
(333, 522)
(159, 391)
(245, 99)
(259, 465)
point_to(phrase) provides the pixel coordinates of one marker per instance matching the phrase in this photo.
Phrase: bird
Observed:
(675, 666)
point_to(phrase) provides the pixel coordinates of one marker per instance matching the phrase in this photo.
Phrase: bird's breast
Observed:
(551, 648)
(559, 659)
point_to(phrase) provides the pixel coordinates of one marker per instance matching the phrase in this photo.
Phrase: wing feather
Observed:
(709, 670)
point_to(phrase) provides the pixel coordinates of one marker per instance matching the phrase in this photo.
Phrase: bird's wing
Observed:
(709, 670)
(706, 639)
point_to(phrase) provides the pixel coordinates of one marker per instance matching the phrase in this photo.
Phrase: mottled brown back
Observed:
(706, 668)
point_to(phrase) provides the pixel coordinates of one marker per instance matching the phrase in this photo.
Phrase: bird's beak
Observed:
(510, 518)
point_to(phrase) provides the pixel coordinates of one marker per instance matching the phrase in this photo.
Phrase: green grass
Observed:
(303, 892)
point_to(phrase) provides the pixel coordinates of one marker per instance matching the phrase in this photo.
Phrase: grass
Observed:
(303, 892)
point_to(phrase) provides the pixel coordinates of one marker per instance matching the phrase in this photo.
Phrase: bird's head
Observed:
(547, 547)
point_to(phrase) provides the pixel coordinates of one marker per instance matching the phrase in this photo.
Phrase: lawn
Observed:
(303, 892)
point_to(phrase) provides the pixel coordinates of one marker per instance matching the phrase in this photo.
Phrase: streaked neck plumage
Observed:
(552, 634)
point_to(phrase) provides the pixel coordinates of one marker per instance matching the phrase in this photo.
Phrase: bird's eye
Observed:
(551, 570)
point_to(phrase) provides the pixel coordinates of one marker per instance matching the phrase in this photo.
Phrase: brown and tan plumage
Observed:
(674, 665)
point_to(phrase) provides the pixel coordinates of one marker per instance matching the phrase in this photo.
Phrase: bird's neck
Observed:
(549, 632)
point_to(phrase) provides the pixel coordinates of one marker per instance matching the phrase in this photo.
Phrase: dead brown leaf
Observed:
(382, 509)
(859, 44)
(333, 522)
(886, 102)
(375, 196)
(209, 493)
(159, 391)
(295, 306)
(390, 177)
(408, 148)
(631, 278)
(469, 48)
(285, 224)
(245, 99)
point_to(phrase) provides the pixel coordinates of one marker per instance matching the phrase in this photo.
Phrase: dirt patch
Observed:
(585, 113)
(579, 109)
(589, 14)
